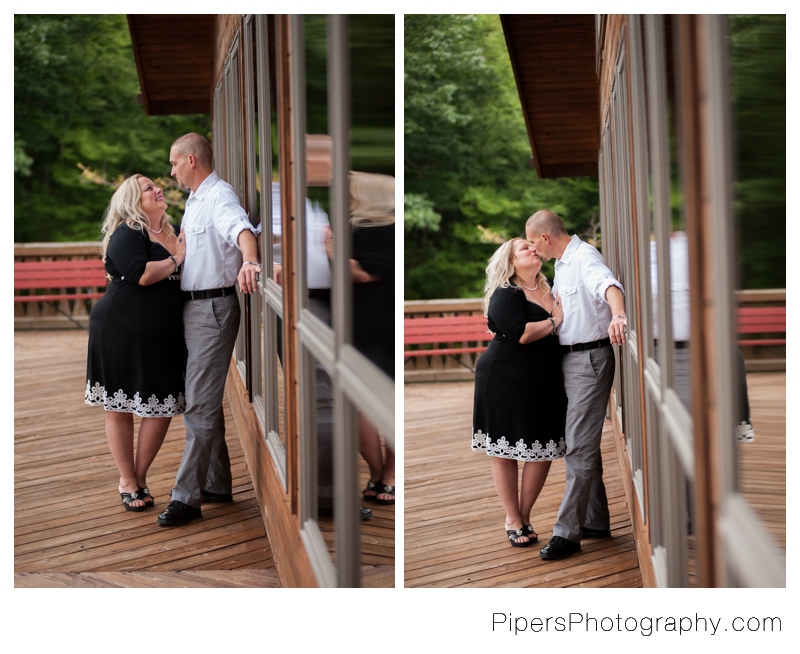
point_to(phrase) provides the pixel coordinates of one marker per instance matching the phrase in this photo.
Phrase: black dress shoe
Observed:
(596, 533)
(178, 513)
(559, 548)
(220, 498)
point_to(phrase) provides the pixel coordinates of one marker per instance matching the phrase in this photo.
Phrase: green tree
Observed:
(758, 85)
(75, 109)
(467, 181)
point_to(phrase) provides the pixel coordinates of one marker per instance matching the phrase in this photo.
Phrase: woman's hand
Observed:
(176, 244)
(329, 243)
(558, 311)
(180, 248)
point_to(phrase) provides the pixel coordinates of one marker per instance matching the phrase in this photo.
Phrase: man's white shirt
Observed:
(212, 221)
(582, 279)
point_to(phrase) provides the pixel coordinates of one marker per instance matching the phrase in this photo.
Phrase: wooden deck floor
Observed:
(453, 518)
(454, 534)
(70, 529)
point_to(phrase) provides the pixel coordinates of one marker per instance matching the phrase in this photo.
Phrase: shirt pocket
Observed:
(196, 237)
(569, 298)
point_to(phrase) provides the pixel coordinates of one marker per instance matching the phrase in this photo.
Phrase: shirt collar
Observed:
(569, 251)
(206, 186)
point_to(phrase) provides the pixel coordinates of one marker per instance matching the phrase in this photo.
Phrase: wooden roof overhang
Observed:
(174, 57)
(553, 58)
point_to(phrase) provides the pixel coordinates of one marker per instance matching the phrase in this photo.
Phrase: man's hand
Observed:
(248, 277)
(617, 328)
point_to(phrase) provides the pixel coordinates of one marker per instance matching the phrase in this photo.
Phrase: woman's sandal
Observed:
(144, 494)
(370, 493)
(129, 498)
(387, 490)
(513, 534)
(530, 533)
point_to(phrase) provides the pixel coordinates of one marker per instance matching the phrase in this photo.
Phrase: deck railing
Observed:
(448, 368)
(43, 315)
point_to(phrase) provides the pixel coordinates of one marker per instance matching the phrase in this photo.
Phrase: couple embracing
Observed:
(543, 384)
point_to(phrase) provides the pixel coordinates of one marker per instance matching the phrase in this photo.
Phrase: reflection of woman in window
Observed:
(372, 271)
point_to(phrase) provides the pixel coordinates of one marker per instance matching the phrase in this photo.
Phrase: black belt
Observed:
(580, 347)
(205, 295)
(678, 345)
(323, 294)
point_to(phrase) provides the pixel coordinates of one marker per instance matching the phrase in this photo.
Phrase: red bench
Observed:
(768, 322)
(452, 335)
(59, 280)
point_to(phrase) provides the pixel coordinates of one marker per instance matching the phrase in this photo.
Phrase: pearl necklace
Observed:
(528, 287)
(162, 229)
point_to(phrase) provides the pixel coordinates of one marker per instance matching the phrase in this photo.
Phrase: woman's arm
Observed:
(156, 271)
(509, 313)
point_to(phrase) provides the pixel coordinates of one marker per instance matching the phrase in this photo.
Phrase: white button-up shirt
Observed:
(212, 221)
(318, 268)
(679, 285)
(581, 281)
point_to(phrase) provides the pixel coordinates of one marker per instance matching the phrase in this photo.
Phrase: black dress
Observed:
(520, 403)
(137, 354)
(373, 302)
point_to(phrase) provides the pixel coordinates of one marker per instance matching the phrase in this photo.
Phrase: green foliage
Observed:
(419, 214)
(75, 89)
(466, 157)
(758, 85)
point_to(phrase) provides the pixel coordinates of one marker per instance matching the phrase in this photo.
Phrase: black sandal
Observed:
(513, 534)
(144, 493)
(372, 489)
(387, 490)
(530, 533)
(128, 498)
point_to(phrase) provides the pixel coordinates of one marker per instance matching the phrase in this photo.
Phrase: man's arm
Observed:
(248, 274)
(616, 300)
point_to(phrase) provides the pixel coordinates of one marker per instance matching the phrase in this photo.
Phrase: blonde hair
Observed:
(371, 199)
(500, 273)
(126, 207)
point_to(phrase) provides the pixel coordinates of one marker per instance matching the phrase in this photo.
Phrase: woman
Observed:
(520, 404)
(372, 272)
(137, 355)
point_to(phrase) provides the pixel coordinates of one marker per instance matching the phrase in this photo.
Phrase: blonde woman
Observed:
(520, 404)
(137, 354)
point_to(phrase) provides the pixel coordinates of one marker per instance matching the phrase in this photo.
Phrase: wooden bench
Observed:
(451, 336)
(60, 280)
(769, 322)
(762, 334)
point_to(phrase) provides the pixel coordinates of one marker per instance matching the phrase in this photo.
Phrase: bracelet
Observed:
(175, 262)
(554, 326)
(620, 316)
(251, 263)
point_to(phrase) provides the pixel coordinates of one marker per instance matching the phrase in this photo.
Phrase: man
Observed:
(593, 304)
(219, 238)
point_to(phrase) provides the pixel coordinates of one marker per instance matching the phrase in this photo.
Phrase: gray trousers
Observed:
(588, 377)
(210, 328)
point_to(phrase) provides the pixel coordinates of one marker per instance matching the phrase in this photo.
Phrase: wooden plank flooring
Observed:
(454, 534)
(762, 462)
(453, 518)
(70, 529)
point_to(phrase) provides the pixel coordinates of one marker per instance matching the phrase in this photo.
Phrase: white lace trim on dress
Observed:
(745, 433)
(119, 401)
(519, 451)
